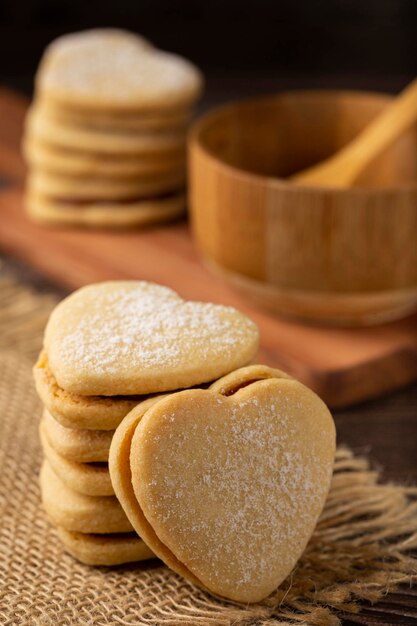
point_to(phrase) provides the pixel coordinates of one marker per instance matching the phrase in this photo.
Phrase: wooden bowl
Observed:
(342, 256)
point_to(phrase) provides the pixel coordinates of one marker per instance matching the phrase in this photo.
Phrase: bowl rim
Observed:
(212, 116)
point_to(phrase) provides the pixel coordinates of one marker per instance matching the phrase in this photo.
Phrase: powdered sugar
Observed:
(242, 484)
(133, 327)
(148, 332)
(115, 67)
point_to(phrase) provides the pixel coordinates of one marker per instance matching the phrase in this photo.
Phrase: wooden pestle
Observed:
(342, 169)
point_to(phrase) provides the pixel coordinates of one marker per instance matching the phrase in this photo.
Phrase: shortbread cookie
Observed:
(102, 120)
(236, 517)
(91, 479)
(96, 44)
(77, 512)
(105, 214)
(75, 163)
(79, 412)
(120, 472)
(105, 549)
(110, 70)
(81, 446)
(133, 337)
(41, 128)
(95, 189)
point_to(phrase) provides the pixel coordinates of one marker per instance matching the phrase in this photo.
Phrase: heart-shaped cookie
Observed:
(73, 411)
(91, 479)
(134, 337)
(74, 444)
(113, 549)
(110, 69)
(226, 484)
(78, 512)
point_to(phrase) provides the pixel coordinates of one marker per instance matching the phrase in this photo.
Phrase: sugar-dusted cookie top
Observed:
(134, 337)
(114, 69)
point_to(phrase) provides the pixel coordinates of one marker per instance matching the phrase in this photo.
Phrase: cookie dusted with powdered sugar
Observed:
(226, 484)
(112, 69)
(134, 337)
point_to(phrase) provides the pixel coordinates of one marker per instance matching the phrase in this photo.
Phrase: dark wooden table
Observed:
(385, 429)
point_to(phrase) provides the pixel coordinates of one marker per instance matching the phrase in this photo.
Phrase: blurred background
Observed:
(244, 47)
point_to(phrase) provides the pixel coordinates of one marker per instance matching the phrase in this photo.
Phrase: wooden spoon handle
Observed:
(342, 169)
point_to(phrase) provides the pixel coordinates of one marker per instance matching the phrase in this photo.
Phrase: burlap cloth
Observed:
(360, 550)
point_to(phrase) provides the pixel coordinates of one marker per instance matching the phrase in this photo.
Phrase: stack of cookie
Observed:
(107, 348)
(105, 135)
(76, 433)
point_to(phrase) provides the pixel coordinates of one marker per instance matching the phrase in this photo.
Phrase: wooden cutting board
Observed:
(343, 366)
